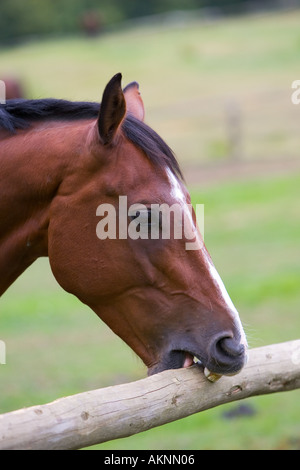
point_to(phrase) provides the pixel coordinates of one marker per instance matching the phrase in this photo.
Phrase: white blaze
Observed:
(216, 277)
(190, 229)
(178, 194)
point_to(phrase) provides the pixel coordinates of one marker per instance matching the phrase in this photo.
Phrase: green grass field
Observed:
(55, 345)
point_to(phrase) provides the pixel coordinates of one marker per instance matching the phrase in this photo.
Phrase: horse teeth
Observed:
(211, 376)
(196, 360)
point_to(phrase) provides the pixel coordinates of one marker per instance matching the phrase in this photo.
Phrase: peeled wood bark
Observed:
(101, 415)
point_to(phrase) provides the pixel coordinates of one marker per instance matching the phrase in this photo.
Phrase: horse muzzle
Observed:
(224, 355)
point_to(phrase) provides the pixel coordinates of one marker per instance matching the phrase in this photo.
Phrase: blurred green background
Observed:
(217, 87)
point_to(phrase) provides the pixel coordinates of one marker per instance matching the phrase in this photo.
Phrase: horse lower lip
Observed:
(190, 359)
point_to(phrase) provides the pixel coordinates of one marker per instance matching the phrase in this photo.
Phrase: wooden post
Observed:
(101, 415)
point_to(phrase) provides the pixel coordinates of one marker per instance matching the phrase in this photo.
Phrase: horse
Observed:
(60, 160)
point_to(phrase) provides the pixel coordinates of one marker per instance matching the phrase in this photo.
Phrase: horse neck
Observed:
(32, 166)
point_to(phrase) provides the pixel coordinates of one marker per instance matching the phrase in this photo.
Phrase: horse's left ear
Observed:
(112, 111)
(134, 102)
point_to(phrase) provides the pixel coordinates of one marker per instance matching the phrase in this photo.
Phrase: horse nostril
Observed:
(227, 355)
(230, 347)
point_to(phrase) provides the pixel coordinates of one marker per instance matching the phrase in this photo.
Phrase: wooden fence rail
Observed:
(101, 415)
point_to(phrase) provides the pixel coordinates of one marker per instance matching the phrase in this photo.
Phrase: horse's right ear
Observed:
(112, 111)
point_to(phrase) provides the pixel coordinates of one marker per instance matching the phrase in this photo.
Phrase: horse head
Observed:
(165, 301)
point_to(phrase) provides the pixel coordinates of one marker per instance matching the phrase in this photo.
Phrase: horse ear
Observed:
(112, 111)
(134, 102)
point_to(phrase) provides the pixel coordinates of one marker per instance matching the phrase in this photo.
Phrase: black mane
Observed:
(20, 114)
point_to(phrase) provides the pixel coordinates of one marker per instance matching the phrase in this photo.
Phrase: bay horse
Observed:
(58, 161)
